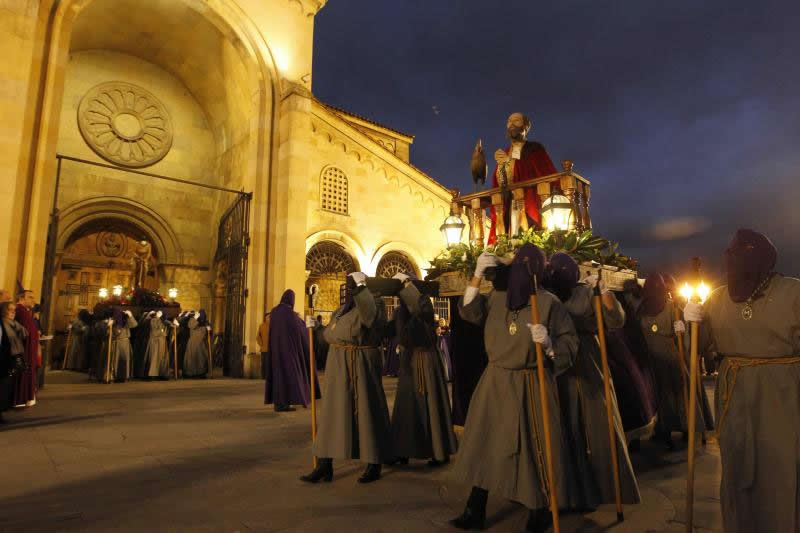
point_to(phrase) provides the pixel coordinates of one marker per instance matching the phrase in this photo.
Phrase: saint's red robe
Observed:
(533, 163)
(25, 389)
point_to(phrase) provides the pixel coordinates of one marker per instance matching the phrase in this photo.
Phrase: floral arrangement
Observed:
(582, 246)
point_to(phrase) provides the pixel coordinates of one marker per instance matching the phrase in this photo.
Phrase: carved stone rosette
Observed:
(125, 124)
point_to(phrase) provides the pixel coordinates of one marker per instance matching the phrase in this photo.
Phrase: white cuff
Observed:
(470, 294)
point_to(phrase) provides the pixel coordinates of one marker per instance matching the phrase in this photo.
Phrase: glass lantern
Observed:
(103, 293)
(172, 293)
(117, 290)
(451, 230)
(557, 213)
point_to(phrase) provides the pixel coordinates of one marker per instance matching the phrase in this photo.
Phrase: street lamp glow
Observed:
(687, 292)
(117, 290)
(701, 291)
(172, 293)
(103, 293)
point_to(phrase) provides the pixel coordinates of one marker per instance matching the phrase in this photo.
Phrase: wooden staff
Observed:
(210, 369)
(612, 434)
(676, 315)
(175, 348)
(108, 357)
(692, 422)
(66, 350)
(312, 371)
(545, 414)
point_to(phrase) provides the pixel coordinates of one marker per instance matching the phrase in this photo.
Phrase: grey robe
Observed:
(503, 434)
(583, 407)
(156, 357)
(120, 367)
(195, 361)
(759, 433)
(76, 355)
(667, 369)
(354, 417)
(421, 422)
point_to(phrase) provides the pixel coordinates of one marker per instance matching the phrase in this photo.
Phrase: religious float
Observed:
(138, 300)
(564, 199)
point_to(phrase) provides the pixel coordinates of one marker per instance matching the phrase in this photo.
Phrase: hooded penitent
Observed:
(528, 265)
(654, 295)
(288, 346)
(750, 260)
(562, 275)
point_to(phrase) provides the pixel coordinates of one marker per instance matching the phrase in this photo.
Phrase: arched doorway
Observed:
(327, 267)
(393, 262)
(211, 72)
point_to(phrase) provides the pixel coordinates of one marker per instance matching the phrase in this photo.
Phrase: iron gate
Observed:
(233, 241)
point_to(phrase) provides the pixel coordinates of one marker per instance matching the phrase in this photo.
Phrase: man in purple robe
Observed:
(25, 388)
(288, 379)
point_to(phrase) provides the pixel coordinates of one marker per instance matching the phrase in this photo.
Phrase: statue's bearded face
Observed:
(517, 127)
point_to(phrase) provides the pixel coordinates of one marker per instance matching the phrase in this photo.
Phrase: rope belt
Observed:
(544, 482)
(352, 371)
(419, 367)
(732, 373)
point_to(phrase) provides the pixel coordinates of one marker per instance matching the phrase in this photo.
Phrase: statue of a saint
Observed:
(141, 263)
(523, 160)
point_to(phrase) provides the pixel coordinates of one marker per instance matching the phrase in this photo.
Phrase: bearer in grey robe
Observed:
(582, 395)
(120, 365)
(156, 358)
(670, 373)
(503, 448)
(421, 424)
(354, 416)
(754, 324)
(195, 360)
(141, 338)
(79, 334)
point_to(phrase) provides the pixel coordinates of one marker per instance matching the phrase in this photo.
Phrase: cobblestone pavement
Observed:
(209, 456)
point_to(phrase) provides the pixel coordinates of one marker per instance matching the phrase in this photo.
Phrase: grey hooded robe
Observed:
(120, 365)
(758, 408)
(503, 438)
(421, 422)
(156, 355)
(662, 343)
(354, 416)
(195, 360)
(76, 355)
(583, 406)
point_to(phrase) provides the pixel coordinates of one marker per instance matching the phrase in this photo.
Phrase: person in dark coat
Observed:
(289, 382)
(12, 354)
(26, 381)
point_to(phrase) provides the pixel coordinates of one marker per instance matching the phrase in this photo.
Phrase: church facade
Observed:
(189, 128)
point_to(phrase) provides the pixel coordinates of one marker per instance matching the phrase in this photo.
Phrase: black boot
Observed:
(539, 520)
(474, 516)
(372, 473)
(402, 461)
(433, 463)
(323, 472)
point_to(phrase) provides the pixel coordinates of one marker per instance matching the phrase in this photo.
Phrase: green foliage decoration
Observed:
(582, 246)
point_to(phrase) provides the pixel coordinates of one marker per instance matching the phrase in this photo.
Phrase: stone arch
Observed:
(44, 101)
(161, 235)
(393, 262)
(418, 261)
(327, 265)
(344, 240)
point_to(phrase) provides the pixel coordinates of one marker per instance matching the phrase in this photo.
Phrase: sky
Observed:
(684, 115)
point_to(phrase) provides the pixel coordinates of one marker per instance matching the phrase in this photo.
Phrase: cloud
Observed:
(679, 228)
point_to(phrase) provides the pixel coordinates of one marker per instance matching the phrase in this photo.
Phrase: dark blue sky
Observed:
(684, 115)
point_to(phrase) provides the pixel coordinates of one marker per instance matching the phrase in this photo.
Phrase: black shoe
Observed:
(283, 408)
(323, 472)
(469, 520)
(539, 520)
(402, 461)
(372, 473)
(3, 420)
(433, 463)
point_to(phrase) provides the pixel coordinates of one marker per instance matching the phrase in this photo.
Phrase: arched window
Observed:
(393, 262)
(328, 258)
(333, 191)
